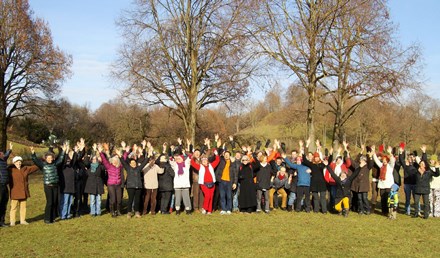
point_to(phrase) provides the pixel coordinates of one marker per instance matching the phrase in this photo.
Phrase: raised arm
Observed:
(36, 160)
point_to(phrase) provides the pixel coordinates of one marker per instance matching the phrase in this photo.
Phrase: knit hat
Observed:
(16, 158)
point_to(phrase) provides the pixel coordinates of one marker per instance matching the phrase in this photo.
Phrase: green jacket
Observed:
(50, 173)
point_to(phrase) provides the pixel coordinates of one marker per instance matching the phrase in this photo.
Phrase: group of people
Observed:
(222, 177)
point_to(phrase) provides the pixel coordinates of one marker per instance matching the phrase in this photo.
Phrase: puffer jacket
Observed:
(4, 174)
(50, 173)
(114, 173)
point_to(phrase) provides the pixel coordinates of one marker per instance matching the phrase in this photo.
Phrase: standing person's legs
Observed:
(137, 201)
(112, 198)
(416, 205)
(259, 194)
(178, 198)
(147, 197)
(209, 194)
(316, 201)
(165, 202)
(23, 204)
(228, 196)
(307, 198)
(426, 206)
(332, 191)
(283, 198)
(4, 198)
(222, 190)
(131, 192)
(93, 206)
(13, 211)
(48, 208)
(236, 193)
(407, 189)
(323, 201)
(153, 201)
(119, 193)
(384, 200)
(374, 194)
(300, 195)
(291, 201)
(64, 203)
(186, 199)
(266, 203)
(195, 193)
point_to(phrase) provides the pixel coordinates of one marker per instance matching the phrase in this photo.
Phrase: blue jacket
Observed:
(303, 176)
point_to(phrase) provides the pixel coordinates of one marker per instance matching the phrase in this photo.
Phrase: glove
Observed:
(258, 145)
(267, 143)
(283, 147)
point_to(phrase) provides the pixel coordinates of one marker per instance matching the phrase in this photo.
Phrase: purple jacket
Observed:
(114, 173)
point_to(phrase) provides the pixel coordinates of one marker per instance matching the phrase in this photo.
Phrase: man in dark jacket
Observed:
(165, 184)
(4, 181)
(409, 178)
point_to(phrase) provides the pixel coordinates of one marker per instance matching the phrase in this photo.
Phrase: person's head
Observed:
(115, 161)
(310, 156)
(294, 154)
(133, 163)
(245, 160)
(339, 160)
(2, 154)
(282, 171)
(316, 158)
(263, 158)
(385, 160)
(238, 155)
(422, 164)
(298, 160)
(49, 157)
(363, 161)
(197, 153)
(178, 158)
(205, 161)
(163, 159)
(17, 160)
(227, 155)
(279, 161)
(94, 159)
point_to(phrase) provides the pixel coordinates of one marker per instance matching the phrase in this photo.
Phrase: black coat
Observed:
(423, 181)
(134, 175)
(409, 172)
(166, 180)
(248, 191)
(343, 188)
(67, 176)
(317, 183)
(264, 175)
(95, 181)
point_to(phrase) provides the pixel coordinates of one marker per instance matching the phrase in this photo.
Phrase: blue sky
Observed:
(87, 31)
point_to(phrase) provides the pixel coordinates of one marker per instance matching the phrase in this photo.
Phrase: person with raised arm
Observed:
(303, 180)
(361, 184)
(50, 179)
(386, 178)
(96, 175)
(207, 179)
(113, 167)
(19, 186)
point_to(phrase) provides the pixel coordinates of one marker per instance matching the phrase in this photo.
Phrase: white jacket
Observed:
(181, 181)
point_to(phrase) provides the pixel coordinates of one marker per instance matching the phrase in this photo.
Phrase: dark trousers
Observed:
(150, 198)
(115, 197)
(134, 199)
(384, 200)
(302, 191)
(319, 199)
(363, 205)
(51, 192)
(165, 198)
(197, 195)
(216, 203)
(374, 194)
(425, 204)
(4, 198)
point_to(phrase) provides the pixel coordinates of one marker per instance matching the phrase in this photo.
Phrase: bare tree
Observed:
(31, 67)
(364, 61)
(185, 54)
(295, 33)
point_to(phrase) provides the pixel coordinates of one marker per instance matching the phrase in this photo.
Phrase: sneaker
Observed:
(209, 213)
(258, 211)
(222, 212)
(188, 212)
(267, 211)
(12, 224)
(228, 212)
(137, 215)
(203, 211)
(23, 223)
(129, 215)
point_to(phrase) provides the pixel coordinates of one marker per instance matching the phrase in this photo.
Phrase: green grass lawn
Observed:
(279, 234)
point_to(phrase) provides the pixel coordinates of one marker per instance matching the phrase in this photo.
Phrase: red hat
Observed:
(381, 148)
(402, 145)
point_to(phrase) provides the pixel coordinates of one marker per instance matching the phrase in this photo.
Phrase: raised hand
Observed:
(301, 143)
(390, 149)
(123, 144)
(345, 145)
(423, 148)
(32, 150)
(307, 142)
(231, 138)
(10, 145)
(179, 141)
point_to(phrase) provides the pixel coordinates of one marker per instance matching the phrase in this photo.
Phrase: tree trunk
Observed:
(3, 129)
(310, 130)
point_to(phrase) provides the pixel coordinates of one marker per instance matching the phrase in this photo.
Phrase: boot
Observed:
(188, 212)
(137, 214)
(129, 215)
(177, 212)
(345, 212)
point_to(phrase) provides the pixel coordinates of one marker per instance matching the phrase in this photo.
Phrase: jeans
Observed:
(235, 198)
(266, 200)
(66, 204)
(332, 191)
(409, 190)
(292, 198)
(363, 205)
(95, 204)
(225, 188)
(51, 193)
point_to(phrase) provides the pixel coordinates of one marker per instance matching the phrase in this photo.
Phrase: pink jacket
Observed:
(114, 173)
